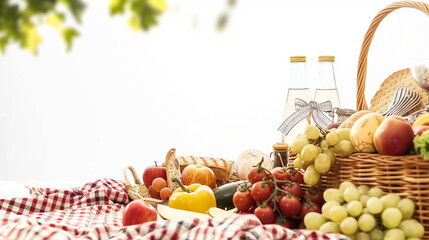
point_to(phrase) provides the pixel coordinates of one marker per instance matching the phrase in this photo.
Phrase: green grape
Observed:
(412, 228)
(343, 133)
(353, 236)
(332, 138)
(351, 194)
(297, 163)
(338, 213)
(363, 236)
(298, 144)
(311, 176)
(330, 227)
(366, 222)
(324, 144)
(331, 155)
(309, 153)
(354, 208)
(365, 210)
(344, 147)
(322, 163)
(394, 234)
(345, 185)
(391, 217)
(328, 206)
(363, 199)
(313, 220)
(333, 194)
(363, 189)
(390, 200)
(349, 226)
(374, 205)
(406, 206)
(375, 192)
(312, 132)
(376, 234)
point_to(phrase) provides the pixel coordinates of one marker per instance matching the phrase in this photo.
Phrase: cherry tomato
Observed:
(242, 200)
(280, 174)
(293, 188)
(289, 206)
(265, 214)
(257, 174)
(314, 196)
(282, 221)
(308, 207)
(260, 191)
(251, 208)
(296, 176)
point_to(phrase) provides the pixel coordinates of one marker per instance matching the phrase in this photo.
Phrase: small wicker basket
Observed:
(406, 175)
(139, 190)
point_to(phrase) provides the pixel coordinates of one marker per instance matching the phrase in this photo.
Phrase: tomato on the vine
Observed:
(293, 188)
(257, 174)
(276, 198)
(260, 191)
(265, 214)
(242, 200)
(315, 196)
(289, 206)
(308, 207)
(283, 221)
(296, 176)
(280, 174)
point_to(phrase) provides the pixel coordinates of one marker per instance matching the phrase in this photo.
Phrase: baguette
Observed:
(173, 169)
(221, 167)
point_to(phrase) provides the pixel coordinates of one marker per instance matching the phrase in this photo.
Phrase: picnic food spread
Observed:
(363, 176)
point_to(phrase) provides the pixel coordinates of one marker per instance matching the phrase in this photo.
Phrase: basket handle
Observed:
(133, 172)
(362, 66)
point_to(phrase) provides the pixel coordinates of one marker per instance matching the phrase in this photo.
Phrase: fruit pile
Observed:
(316, 150)
(276, 196)
(155, 180)
(365, 213)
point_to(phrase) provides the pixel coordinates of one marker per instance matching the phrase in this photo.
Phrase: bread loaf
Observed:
(173, 169)
(221, 167)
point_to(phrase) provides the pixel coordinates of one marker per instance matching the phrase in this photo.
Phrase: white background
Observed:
(124, 98)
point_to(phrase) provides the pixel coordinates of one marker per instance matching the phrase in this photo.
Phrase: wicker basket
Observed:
(406, 175)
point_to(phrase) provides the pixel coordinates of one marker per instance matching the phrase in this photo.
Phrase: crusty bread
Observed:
(173, 169)
(221, 167)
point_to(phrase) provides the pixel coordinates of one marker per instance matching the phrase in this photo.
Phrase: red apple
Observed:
(394, 136)
(333, 125)
(152, 172)
(196, 173)
(138, 212)
(418, 130)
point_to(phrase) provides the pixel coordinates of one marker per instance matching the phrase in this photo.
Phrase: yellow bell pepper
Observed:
(195, 198)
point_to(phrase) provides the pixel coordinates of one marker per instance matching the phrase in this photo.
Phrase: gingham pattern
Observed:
(95, 211)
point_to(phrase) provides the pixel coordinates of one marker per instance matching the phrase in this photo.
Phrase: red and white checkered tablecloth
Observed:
(94, 211)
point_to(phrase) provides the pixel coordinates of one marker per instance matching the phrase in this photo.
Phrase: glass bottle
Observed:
(326, 87)
(298, 88)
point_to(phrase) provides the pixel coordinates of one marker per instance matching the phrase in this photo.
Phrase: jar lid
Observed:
(280, 146)
(298, 59)
(326, 58)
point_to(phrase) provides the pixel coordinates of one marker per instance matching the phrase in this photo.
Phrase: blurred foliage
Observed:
(20, 19)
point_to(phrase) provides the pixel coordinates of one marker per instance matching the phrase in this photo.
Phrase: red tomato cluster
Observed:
(276, 196)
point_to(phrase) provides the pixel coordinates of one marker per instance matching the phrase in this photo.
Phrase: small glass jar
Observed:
(280, 154)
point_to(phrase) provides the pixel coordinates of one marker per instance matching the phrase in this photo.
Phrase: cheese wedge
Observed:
(178, 214)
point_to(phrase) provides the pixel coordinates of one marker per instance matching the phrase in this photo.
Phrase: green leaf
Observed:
(3, 42)
(76, 7)
(133, 22)
(159, 5)
(55, 20)
(30, 38)
(41, 6)
(117, 6)
(69, 34)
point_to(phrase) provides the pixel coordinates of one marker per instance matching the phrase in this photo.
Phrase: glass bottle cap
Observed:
(298, 59)
(326, 58)
(280, 146)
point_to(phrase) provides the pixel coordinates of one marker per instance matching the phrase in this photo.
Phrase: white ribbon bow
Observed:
(303, 108)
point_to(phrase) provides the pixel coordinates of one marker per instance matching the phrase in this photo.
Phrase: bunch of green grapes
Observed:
(316, 150)
(365, 213)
